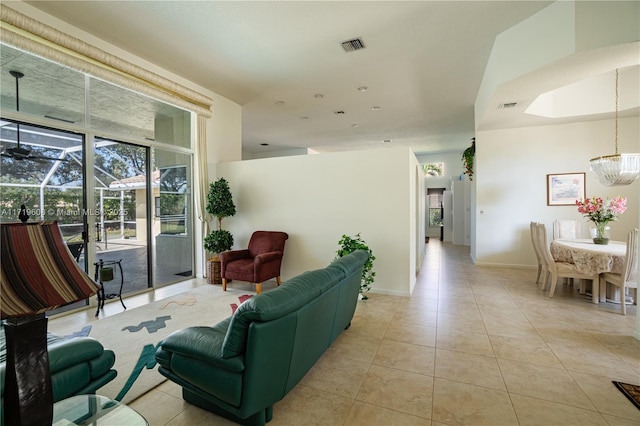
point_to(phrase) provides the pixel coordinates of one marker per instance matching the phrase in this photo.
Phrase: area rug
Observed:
(135, 334)
(632, 392)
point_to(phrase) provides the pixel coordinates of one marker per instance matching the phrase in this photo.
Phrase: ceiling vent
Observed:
(353, 45)
(508, 105)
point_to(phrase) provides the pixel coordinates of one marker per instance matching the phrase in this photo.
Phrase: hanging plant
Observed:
(468, 157)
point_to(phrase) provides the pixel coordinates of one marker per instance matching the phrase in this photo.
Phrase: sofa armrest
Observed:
(101, 365)
(66, 353)
(200, 343)
(268, 257)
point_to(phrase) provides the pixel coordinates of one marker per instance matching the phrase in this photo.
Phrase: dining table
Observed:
(588, 257)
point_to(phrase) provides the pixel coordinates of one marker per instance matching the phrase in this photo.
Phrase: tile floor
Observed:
(472, 345)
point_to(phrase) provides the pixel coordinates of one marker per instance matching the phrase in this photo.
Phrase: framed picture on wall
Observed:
(563, 189)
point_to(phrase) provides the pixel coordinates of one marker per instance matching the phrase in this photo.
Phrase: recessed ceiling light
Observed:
(362, 88)
(386, 141)
(508, 105)
(279, 102)
(375, 108)
(318, 96)
(264, 144)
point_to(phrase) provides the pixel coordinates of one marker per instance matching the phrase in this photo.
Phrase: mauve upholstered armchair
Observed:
(256, 264)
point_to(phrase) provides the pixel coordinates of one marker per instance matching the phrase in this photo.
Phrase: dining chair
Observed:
(540, 238)
(533, 229)
(567, 229)
(555, 270)
(629, 276)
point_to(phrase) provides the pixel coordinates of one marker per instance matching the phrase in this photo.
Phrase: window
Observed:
(434, 203)
(433, 169)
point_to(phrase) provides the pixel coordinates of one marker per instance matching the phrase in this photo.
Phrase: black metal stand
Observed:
(28, 394)
(102, 296)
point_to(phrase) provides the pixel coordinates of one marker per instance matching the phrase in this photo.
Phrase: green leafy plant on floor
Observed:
(349, 245)
(468, 156)
(219, 204)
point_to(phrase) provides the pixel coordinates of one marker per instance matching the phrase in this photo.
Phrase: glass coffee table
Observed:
(81, 410)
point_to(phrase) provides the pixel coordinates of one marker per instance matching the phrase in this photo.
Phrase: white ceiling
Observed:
(422, 65)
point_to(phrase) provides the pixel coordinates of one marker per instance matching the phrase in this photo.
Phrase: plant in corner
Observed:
(219, 204)
(468, 156)
(349, 245)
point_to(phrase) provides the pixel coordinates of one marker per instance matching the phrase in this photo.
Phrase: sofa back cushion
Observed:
(350, 263)
(276, 303)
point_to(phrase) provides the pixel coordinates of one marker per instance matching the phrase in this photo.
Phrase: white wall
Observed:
(510, 188)
(318, 198)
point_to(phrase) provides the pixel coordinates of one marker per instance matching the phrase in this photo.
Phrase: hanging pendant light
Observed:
(617, 169)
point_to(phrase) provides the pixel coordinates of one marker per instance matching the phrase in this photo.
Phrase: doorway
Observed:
(435, 213)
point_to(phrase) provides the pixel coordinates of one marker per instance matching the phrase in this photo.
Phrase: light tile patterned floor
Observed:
(471, 346)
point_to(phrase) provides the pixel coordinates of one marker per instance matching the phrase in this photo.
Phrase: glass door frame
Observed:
(92, 190)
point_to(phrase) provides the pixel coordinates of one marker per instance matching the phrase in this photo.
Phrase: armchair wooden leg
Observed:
(224, 284)
(278, 280)
(258, 288)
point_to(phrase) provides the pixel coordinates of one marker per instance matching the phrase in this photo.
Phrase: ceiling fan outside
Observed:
(17, 152)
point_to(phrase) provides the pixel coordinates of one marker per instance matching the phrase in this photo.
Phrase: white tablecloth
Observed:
(589, 257)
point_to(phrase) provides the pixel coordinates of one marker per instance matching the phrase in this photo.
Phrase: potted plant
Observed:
(468, 157)
(601, 212)
(219, 204)
(349, 245)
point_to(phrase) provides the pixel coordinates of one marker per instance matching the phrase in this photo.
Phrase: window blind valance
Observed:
(24, 33)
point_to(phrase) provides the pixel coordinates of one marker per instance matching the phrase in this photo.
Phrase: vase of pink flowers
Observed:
(601, 212)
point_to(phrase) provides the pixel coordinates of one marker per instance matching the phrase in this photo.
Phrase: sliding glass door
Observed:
(173, 236)
(144, 217)
(120, 225)
(42, 169)
(125, 195)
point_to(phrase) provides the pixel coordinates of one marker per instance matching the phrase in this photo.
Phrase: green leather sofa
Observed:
(79, 365)
(244, 364)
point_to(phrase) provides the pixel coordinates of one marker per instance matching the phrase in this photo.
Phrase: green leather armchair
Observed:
(79, 365)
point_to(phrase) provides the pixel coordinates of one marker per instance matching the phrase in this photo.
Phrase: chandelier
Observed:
(616, 169)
